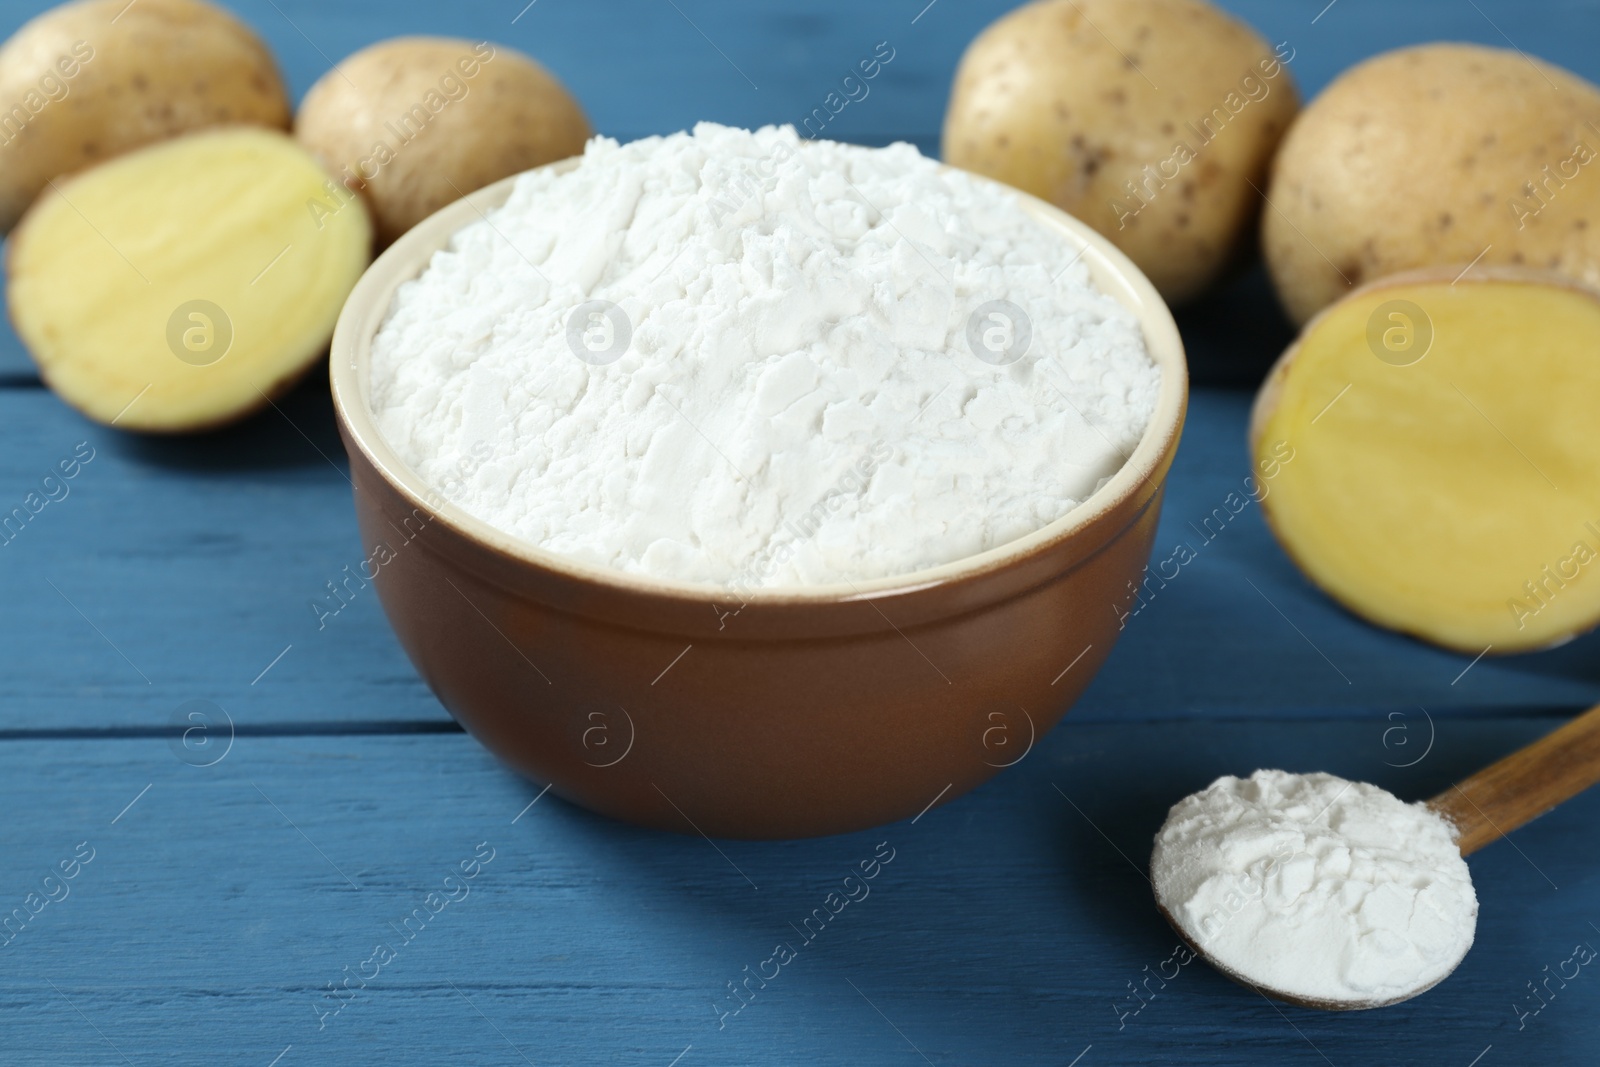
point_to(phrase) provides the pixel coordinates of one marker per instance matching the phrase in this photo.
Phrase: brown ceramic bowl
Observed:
(803, 710)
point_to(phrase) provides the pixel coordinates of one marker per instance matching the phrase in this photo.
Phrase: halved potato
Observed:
(1446, 471)
(181, 286)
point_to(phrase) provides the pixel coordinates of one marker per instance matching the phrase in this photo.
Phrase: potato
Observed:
(417, 122)
(1441, 442)
(89, 80)
(181, 286)
(1147, 119)
(1438, 154)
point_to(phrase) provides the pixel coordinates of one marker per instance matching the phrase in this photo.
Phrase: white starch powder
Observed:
(741, 358)
(1317, 887)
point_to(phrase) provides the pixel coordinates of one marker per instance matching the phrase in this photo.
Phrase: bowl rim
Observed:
(1112, 272)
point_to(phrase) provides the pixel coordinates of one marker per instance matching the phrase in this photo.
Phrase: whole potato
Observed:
(1435, 155)
(92, 79)
(417, 122)
(1147, 119)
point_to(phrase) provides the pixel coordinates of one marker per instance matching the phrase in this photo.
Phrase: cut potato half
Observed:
(1446, 471)
(183, 285)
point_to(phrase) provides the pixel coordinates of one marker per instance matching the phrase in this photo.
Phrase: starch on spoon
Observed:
(1327, 891)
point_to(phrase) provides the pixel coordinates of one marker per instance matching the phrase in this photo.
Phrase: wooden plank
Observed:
(1007, 928)
(193, 564)
(174, 570)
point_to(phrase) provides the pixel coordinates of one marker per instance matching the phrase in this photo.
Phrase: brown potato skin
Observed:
(513, 116)
(1413, 158)
(160, 69)
(1071, 100)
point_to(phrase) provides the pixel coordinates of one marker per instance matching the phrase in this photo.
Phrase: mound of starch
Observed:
(739, 358)
(1318, 887)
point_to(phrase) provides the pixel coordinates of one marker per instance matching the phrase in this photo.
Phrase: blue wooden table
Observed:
(229, 895)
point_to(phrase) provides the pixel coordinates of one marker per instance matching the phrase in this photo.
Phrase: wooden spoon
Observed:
(1524, 785)
(1484, 808)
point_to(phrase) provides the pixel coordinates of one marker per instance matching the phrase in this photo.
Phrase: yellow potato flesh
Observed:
(1456, 498)
(183, 285)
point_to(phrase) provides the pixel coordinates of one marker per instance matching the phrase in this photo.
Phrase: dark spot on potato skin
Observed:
(1061, 111)
(1182, 220)
(1446, 220)
(1117, 97)
(1580, 224)
(1518, 257)
(1088, 157)
(1167, 127)
(140, 83)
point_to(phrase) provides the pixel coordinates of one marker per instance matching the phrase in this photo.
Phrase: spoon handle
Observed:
(1524, 785)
